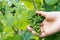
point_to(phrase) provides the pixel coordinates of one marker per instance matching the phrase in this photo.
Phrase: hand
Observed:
(50, 25)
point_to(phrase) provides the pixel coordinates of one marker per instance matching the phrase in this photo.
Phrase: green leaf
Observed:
(7, 30)
(1, 27)
(26, 35)
(1, 0)
(15, 37)
(28, 4)
(51, 37)
(21, 20)
(47, 8)
(57, 37)
(7, 20)
(51, 2)
(57, 9)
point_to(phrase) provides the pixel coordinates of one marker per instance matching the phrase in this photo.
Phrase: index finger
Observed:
(41, 13)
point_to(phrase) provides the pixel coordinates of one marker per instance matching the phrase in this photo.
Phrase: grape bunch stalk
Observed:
(35, 21)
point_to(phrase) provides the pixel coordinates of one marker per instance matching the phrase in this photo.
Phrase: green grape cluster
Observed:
(35, 21)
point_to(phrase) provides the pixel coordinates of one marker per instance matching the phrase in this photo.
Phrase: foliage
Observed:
(14, 14)
(51, 2)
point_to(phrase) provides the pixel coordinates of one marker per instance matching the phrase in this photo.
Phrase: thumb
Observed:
(41, 13)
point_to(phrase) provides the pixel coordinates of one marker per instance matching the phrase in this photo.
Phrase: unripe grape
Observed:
(35, 21)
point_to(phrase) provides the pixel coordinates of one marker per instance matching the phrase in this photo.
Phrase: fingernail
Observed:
(42, 35)
(29, 28)
(41, 24)
(42, 29)
(34, 32)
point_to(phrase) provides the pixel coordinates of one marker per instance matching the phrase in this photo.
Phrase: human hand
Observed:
(50, 25)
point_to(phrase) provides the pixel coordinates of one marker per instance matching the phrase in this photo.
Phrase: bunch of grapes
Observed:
(35, 21)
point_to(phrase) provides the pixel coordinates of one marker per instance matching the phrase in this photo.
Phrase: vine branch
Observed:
(34, 4)
(15, 30)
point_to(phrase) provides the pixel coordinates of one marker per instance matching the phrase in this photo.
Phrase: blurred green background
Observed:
(13, 18)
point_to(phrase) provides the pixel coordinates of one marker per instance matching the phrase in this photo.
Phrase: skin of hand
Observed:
(50, 25)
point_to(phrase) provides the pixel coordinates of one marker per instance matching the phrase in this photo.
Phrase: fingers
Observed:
(41, 13)
(49, 16)
(42, 30)
(44, 25)
(43, 34)
(31, 30)
(46, 31)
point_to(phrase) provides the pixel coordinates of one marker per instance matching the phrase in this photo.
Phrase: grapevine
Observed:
(15, 15)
